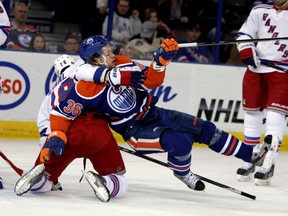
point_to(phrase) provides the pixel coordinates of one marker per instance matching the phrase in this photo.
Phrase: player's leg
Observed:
(227, 144)
(178, 145)
(277, 109)
(276, 124)
(252, 132)
(253, 98)
(110, 169)
(206, 132)
(102, 150)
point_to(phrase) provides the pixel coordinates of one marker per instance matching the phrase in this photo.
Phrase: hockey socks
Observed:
(228, 145)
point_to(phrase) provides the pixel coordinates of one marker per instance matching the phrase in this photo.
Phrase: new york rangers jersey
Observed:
(4, 24)
(265, 21)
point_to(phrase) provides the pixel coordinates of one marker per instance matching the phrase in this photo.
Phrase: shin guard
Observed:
(228, 145)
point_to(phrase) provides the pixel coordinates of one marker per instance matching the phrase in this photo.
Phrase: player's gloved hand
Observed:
(168, 50)
(126, 76)
(55, 143)
(248, 54)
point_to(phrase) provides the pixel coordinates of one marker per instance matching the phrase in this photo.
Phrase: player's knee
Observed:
(117, 185)
(209, 133)
(176, 143)
(275, 123)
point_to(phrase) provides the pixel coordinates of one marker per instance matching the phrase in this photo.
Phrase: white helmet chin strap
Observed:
(104, 63)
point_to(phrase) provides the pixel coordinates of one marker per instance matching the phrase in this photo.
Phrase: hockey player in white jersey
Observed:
(264, 88)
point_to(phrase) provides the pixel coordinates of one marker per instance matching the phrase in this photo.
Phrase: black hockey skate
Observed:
(192, 181)
(33, 176)
(263, 176)
(245, 172)
(260, 151)
(98, 185)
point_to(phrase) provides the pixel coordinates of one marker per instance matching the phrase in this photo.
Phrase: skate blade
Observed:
(261, 182)
(23, 185)
(100, 190)
(247, 178)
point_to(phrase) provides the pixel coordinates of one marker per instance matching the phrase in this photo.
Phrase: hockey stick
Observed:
(201, 177)
(195, 44)
(270, 64)
(14, 167)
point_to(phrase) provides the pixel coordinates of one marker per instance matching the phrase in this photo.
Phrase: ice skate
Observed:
(97, 183)
(260, 151)
(245, 172)
(263, 176)
(265, 173)
(192, 181)
(33, 176)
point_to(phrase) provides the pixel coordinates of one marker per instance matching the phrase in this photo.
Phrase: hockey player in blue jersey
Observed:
(132, 112)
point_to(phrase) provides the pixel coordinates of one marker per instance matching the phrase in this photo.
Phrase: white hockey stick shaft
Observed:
(195, 44)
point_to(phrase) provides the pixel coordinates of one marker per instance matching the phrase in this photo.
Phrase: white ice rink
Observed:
(153, 190)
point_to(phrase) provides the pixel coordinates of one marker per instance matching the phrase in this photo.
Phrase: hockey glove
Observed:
(168, 50)
(55, 143)
(126, 76)
(248, 54)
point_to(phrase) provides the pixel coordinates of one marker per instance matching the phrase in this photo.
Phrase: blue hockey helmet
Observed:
(92, 46)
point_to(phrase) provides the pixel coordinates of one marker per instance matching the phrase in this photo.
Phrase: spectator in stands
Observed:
(38, 43)
(142, 5)
(72, 43)
(145, 46)
(92, 16)
(21, 33)
(171, 12)
(199, 54)
(125, 24)
(161, 28)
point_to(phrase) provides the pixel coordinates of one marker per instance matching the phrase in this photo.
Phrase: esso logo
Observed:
(50, 81)
(16, 85)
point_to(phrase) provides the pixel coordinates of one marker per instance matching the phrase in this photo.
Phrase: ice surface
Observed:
(153, 190)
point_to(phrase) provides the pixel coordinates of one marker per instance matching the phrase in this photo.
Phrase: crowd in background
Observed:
(139, 26)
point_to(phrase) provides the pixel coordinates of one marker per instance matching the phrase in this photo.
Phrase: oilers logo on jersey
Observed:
(122, 99)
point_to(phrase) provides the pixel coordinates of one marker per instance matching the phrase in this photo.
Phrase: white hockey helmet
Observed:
(62, 63)
(281, 4)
